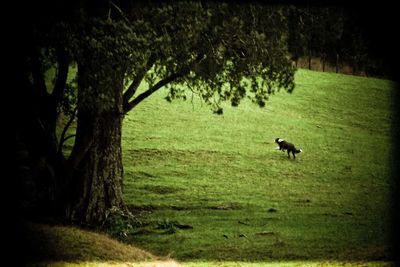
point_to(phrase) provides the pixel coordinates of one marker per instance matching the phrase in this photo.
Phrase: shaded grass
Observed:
(331, 203)
(56, 245)
(70, 244)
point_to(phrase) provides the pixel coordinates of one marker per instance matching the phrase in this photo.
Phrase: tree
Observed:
(36, 48)
(220, 51)
(297, 38)
(331, 21)
(353, 43)
(316, 32)
(209, 47)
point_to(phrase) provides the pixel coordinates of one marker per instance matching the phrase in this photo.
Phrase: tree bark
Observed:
(96, 184)
(39, 136)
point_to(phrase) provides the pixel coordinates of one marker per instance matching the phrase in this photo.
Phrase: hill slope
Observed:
(247, 201)
(69, 246)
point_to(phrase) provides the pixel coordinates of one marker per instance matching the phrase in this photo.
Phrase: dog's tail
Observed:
(298, 150)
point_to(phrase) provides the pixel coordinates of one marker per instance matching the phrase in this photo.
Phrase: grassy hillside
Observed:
(247, 201)
(56, 245)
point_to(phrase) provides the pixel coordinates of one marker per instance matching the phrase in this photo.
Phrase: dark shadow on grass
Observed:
(52, 243)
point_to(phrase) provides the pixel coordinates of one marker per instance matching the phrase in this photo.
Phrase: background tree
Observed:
(331, 25)
(297, 40)
(315, 32)
(342, 35)
(311, 27)
(38, 48)
(353, 44)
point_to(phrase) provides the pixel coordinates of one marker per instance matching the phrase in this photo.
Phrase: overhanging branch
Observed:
(121, 13)
(77, 155)
(62, 75)
(63, 138)
(162, 83)
(153, 89)
(37, 74)
(130, 92)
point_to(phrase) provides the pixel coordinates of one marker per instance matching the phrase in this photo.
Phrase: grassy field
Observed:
(244, 201)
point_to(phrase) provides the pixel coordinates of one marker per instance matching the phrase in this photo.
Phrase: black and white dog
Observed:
(283, 145)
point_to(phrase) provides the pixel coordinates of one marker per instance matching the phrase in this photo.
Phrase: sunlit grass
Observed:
(246, 201)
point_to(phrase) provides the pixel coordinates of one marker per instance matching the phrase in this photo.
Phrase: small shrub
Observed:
(119, 223)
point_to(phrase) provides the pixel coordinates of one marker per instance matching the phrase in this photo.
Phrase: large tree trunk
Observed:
(37, 138)
(100, 172)
(97, 179)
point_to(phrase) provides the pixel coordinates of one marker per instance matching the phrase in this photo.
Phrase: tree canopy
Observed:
(215, 49)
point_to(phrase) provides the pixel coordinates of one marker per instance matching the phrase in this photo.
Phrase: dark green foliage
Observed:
(211, 47)
(337, 35)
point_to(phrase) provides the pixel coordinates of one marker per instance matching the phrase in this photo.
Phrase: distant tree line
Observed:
(339, 36)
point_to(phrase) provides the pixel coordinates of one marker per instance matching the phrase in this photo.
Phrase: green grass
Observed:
(246, 201)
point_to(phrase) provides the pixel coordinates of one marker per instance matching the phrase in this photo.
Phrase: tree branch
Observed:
(78, 154)
(153, 89)
(38, 78)
(130, 92)
(62, 137)
(69, 137)
(162, 83)
(121, 13)
(62, 76)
